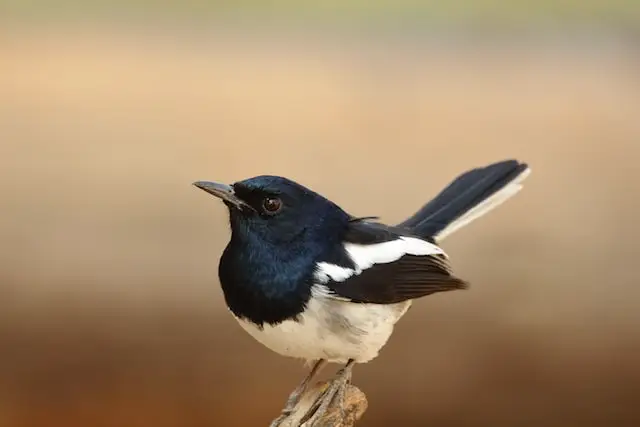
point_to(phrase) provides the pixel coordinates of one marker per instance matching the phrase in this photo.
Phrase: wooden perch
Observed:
(355, 404)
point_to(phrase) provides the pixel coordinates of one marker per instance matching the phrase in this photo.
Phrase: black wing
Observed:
(409, 276)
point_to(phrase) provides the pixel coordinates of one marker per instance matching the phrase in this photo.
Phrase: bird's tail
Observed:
(468, 197)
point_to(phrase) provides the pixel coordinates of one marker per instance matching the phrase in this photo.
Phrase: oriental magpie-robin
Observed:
(308, 280)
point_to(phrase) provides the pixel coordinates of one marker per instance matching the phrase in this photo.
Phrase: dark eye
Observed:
(271, 204)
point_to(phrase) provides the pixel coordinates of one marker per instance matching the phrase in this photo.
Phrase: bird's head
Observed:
(277, 210)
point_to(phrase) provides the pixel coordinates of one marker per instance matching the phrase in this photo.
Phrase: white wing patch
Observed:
(365, 256)
(326, 272)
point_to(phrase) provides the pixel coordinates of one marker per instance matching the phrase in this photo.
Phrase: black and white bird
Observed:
(308, 280)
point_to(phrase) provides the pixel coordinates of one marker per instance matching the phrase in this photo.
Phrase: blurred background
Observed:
(110, 309)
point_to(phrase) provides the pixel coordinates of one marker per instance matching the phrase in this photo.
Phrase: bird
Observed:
(311, 281)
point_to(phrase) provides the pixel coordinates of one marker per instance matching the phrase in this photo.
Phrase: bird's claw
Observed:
(333, 395)
(278, 421)
(290, 406)
(294, 398)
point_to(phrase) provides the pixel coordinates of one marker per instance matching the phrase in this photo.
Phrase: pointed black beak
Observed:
(222, 191)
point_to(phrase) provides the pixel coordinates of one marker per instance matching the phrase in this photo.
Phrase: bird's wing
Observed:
(384, 265)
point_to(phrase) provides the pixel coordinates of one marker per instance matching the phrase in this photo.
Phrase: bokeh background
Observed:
(110, 310)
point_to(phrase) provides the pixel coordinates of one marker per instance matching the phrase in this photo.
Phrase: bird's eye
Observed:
(271, 204)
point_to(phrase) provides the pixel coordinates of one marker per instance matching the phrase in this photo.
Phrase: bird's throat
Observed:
(262, 285)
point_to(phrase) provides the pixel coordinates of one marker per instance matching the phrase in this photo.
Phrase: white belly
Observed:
(332, 329)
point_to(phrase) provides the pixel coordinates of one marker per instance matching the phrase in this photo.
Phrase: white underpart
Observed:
(483, 208)
(333, 328)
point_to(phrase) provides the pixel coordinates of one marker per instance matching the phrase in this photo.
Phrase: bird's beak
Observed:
(223, 191)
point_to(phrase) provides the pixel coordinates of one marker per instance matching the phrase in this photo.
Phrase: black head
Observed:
(275, 209)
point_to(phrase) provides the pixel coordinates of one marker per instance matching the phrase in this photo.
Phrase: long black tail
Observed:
(468, 197)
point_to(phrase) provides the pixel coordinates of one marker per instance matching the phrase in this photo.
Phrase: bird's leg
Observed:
(337, 389)
(294, 397)
(342, 391)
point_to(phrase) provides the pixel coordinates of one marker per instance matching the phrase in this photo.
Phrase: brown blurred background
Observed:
(110, 309)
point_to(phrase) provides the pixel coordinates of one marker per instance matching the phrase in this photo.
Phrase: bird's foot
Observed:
(355, 404)
(291, 404)
(326, 401)
(294, 397)
(332, 396)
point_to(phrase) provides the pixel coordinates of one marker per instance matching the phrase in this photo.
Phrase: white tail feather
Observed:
(487, 205)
